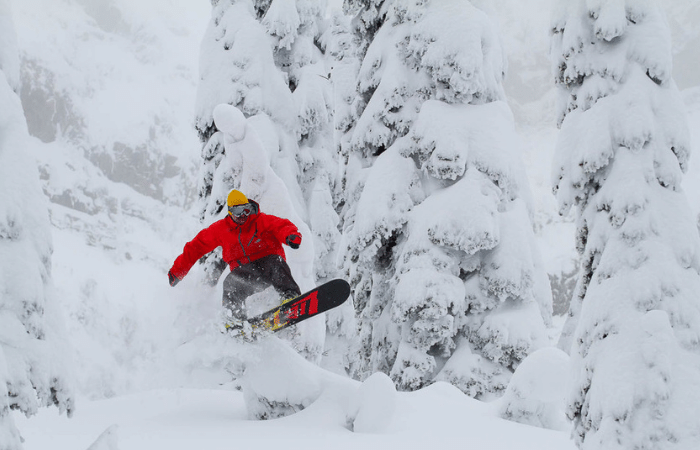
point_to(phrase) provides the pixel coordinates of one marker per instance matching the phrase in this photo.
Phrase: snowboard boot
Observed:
(242, 330)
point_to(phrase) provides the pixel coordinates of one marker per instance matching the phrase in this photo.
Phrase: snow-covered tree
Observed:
(369, 15)
(439, 246)
(634, 326)
(266, 57)
(32, 367)
(237, 67)
(245, 155)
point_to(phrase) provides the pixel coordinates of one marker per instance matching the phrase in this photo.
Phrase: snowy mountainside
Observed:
(109, 275)
(108, 91)
(115, 81)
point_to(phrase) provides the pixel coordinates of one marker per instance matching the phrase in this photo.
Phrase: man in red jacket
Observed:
(252, 247)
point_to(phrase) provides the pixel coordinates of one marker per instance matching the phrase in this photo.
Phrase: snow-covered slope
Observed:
(436, 417)
(344, 415)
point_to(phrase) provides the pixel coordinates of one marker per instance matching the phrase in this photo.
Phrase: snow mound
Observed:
(374, 404)
(282, 382)
(536, 394)
(108, 440)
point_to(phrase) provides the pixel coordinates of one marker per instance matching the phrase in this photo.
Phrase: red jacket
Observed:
(261, 235)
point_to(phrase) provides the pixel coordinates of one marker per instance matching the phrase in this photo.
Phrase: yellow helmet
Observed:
(236, 198)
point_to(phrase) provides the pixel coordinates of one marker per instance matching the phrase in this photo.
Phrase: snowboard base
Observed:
(292, 311)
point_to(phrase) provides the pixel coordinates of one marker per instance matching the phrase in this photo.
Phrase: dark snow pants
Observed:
(254, 277)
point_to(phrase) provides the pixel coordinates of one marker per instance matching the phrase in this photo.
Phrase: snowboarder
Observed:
(252, 247)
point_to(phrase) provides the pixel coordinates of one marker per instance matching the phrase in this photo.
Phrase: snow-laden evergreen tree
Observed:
(634, 326)
(440, 250)
(369, 15)
(266, 58)
(32, 367)
(343, 49)
(245, 154)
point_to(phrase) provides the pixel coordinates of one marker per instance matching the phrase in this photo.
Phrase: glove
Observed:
(173, 279)
(293, 240)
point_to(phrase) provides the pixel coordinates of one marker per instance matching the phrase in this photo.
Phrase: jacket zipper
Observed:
(240, 230)
(254, 234)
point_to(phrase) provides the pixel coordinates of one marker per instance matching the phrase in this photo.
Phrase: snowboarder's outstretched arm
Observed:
(202, 244)
(284, 230)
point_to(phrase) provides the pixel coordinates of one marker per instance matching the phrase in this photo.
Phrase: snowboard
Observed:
(292, 311)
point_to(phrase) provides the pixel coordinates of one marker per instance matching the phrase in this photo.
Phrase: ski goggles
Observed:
(240, 210)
